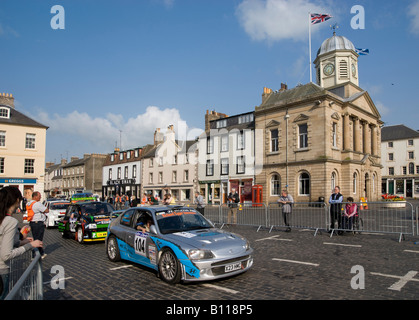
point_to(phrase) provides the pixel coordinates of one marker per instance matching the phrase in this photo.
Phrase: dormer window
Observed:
(4, 112)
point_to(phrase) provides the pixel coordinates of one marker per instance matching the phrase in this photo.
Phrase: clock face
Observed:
(353, 70)
(329, 69)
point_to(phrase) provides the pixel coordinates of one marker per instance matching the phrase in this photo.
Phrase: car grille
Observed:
(218, 268)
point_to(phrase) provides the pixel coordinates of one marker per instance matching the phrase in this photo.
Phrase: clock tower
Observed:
(336, 62)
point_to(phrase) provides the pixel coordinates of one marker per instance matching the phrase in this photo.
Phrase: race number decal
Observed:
(139, 243)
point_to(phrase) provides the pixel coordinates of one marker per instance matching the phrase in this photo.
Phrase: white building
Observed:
(227, 157)
(400, 159)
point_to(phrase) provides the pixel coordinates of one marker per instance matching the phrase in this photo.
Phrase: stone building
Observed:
(320, 135)
(22, 149)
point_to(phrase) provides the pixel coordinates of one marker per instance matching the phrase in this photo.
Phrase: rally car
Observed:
(57, 209)
(178, 242)
(86, 221)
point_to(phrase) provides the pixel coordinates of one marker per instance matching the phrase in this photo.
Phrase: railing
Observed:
(372, 217)
(25, 277)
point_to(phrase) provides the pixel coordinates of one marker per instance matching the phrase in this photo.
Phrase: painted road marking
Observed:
(274, 238)
(402, 280)
(213, 286)
(298, 262)
(411, 251)
(122, 267)
(343, 245)
(57, 280)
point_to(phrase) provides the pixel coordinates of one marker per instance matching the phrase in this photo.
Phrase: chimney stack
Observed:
(7, 100)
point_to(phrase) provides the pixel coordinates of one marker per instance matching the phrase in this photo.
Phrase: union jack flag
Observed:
(319, 18)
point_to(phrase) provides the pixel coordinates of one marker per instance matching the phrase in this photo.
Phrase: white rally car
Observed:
(57, 210)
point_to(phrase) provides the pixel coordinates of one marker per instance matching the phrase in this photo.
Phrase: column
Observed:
(366, 136)
(357, 135)
(374, 145)
(346, 133)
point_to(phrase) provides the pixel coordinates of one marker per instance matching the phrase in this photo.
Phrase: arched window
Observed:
(354, 182)
(304, 184)
(411, 168)
(275, 185)
(333, 181)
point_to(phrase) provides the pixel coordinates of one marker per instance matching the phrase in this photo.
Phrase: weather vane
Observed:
(334, 27)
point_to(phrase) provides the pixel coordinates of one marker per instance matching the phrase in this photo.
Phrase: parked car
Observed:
(57, 209)
(178, 242)
(86, 221)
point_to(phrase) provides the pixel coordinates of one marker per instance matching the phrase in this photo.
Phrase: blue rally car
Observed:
(178, 242)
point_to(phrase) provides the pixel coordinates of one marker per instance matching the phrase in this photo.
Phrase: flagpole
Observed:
(309, 44)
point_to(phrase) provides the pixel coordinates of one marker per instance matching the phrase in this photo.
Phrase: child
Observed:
(350, 211)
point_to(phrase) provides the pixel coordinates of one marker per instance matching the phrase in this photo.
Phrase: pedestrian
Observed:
(233, 199)
(200, 204)
(351, 209)
(144, 199)
(36, 217)
(286, 200)
(335, 201)
(11, 245)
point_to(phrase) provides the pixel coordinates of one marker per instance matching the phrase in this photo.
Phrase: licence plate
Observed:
(101, 234)
(233, 267)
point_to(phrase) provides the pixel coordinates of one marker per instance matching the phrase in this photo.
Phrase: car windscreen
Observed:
(96, 209)
(58, 206)
(172, 221)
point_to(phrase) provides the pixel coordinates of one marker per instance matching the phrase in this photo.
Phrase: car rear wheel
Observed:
(113, 249)
(169, 267)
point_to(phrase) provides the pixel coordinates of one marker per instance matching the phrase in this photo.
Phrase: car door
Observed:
(144, 251)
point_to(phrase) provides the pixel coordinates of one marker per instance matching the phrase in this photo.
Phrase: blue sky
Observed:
(123, 68)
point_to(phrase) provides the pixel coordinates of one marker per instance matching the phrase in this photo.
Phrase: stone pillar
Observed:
(366, 136)
(346, 133)
(357, 135)
(374, 145)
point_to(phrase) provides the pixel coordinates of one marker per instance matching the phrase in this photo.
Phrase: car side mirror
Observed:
(153, 229)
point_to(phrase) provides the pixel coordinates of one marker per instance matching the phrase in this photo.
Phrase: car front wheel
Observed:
(169, 267)
(80, 235)
(113, 249)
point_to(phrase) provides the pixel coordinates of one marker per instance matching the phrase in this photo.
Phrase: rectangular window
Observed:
(29, 166)
(186, 175)
(126, 172)
(210, 167)
(240, 140)
(150, 178)
(411, 155)
(134, 171)
(240, 164)
(390, 156)
(391, 171)
(110, 174)
(274, 140)
(2, 138)
(210, 145)
(390, 144)
(224, 143)
(334, 134)
(174, 176)
(224, 166)
(410, 142)
(1, 165)
(119, 173)
(302, 136)
(160, 177)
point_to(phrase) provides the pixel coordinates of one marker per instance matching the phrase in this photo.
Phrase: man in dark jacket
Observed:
(233, 200)
(335, 201)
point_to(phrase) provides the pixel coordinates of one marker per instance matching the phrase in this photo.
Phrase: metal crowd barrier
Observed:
(304, 215)
(25, 277)
(372, 217)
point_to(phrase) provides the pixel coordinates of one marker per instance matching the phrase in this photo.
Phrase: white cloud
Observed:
(413, 11)
(89, 134)
(275, 20)
(382, 108)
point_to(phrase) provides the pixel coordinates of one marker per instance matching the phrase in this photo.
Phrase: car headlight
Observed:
(92, 226)
(197, 254)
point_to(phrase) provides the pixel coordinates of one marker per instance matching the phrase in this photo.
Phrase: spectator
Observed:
(286, 200)
(335, 201)
(10, 244)
(351, 209)
(200, 204)
(36, 216)
(233, 199)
